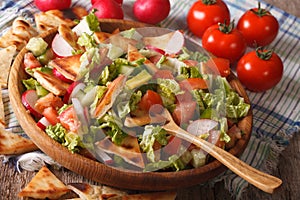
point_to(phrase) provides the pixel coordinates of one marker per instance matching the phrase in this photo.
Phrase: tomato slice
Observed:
(30, 61)
(220, 64)
(192, 84)
(149, 99)
(184, 112)
(173, 145)
(51, 115)
(163, 73)
(69, 120)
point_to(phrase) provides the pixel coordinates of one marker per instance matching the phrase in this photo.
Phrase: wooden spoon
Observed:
(257, 178)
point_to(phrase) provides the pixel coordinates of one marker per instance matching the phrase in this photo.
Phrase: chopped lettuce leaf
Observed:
(150, 135)
(87, 41)
(125, 106)
(99, 94)
(93, 21)
(88, 60)
(32, 84)
(72, 142)
(173, 162)
(192, 55)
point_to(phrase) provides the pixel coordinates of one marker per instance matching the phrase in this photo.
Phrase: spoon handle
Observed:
(257, 178)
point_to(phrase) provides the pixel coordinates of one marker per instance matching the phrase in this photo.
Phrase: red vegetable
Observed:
(69, 120)
(120, 2)
(205, 13)
(151, 11)
(258, 26)
(193, 84)
(173, 145)
(51, 115)
(108, 9)
(149, 99)
(45, 5)
(184, 111)
(224, 41)
(222, 65)
(260, 70)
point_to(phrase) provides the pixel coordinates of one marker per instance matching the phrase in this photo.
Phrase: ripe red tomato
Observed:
(260, 70)
(258, 26)
(151, 11)
(149, 99)
(203, 14)
(108, 9)
(45, 5)
(224, 41)
(51, 115)
(173, 145)
(68, 119)
(184, 111)
(193, 84)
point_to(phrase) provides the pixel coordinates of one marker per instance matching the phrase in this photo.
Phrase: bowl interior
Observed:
(105, 174)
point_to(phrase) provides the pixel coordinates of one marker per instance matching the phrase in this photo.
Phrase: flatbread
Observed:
(11, 143)
(129, 150)
(147, 196)
(95, 192)
(69, 36)
(44, 185)
(6, 57)
(19, 34)
(51, 19)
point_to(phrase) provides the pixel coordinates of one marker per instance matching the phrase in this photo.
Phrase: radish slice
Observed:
(105, 158)
(61, 47)
(60, 76)
(201, 126)
(171, 42)
(82, 27)
(158, 50)
(29, 99)
(72, 91)
(43, 123)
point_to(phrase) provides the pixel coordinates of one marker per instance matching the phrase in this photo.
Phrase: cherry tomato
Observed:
(173, 145)
(45, 5)
(151, 11)
(224, 41)
(260, 70)
(149, 99)
(219, 66)
(258, 26)
(163, 73)
(69, 120)
(205, 13)
(184, 111)
(193, 84)
(108, 9)
(51, 115)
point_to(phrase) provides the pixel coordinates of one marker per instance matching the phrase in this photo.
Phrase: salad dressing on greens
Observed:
(115, 90)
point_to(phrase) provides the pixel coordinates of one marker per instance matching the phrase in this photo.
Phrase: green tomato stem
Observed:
(263, 54)
(209, 2)
(224, 28)
(260, 11)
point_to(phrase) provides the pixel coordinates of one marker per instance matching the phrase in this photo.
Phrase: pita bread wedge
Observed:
(67, 66)
(134, 54)
(6, 57)
(51, 19)
(51, 83)
(19, 34)
(11, 143)
(147, 196)
(2, 112)
(69, 36)
(44, 185)
(129, 150)
(95, 192)
(114, 89)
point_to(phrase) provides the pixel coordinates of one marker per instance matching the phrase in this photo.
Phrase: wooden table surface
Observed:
(288, 169)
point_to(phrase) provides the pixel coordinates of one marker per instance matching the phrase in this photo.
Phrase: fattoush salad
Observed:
(101, 94)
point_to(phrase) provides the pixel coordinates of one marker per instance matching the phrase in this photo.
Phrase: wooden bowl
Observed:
(105, 174)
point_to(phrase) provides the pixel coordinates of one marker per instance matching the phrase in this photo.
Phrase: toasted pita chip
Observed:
(19, 34)
(91, 192)
(51, 83)
(69, 36)
(6, 57)
(11, 143)
(114, 89)
(44, 185)
(79, 11)
(147, 196)
(129, 150)
(134, 54)
(51, 19)
(67, 66)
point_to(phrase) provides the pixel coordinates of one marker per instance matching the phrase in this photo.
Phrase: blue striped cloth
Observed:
(276, 112)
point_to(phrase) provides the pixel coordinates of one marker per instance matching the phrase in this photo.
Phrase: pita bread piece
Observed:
(11, 143)
(88, 191)
(44, 185)
(69, 36)
(19, 34)
(147, 196)
(51, 19)
(129, 150)
(6, 57)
